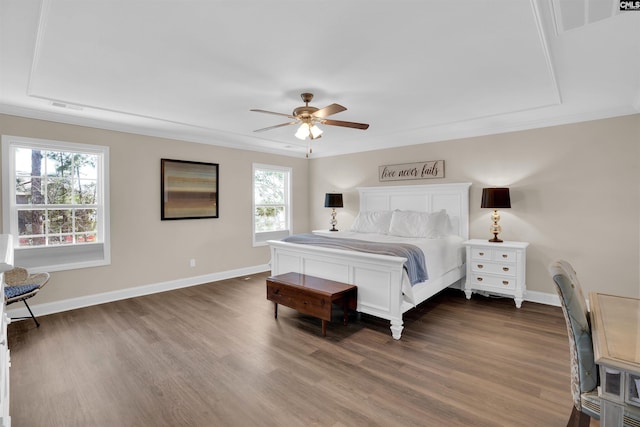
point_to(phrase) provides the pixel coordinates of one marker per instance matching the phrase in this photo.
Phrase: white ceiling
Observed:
(416, 71)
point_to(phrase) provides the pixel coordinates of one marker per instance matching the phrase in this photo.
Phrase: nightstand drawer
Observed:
(493, 281)
(502, 254)
(493, 268)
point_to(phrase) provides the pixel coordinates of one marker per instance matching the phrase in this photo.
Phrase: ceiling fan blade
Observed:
(272, 112)
(329, 110)
(276, 126)
(362, 126)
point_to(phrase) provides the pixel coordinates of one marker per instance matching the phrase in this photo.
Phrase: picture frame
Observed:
(188, 190)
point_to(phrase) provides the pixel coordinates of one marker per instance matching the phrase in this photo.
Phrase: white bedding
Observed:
(441, 255)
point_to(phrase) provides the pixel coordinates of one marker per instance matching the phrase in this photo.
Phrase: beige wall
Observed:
(146, 250)
(575, 194)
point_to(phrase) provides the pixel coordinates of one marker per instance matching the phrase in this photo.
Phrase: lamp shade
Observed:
(333, 200)
(495, 198)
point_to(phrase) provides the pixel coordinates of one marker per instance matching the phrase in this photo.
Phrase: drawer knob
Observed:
(276, 291)
(479, 279)
(481, 253)
(505, 268)
(505, 282)
(505, 256)
(480, 266)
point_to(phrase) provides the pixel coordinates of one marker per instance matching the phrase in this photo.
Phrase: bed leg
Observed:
(396, 328)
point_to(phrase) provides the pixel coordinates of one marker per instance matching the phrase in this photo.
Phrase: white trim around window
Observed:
(260, 238)
(66, 256)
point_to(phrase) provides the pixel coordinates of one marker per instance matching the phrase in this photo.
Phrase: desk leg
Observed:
(275, 310)
(612, 414)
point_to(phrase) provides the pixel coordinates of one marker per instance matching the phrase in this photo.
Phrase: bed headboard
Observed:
(423, 198)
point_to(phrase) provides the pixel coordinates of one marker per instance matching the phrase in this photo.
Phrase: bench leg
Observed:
(345, 308)
(275, 310)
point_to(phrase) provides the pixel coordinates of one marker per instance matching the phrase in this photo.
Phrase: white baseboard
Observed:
(542, 298)
(531, 296)
(89, 300)
(86, 301)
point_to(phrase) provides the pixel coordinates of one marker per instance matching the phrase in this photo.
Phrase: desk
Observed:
(615, 324)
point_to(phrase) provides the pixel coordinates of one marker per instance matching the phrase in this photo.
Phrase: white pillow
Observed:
(432, 225)
(372, 222)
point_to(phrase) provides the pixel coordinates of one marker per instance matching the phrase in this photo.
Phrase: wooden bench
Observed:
(311, 295)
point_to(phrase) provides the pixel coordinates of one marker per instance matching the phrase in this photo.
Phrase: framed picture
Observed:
(189, 190)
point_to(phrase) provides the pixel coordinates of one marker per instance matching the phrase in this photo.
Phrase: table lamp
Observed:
(333, 200)
(495, 198)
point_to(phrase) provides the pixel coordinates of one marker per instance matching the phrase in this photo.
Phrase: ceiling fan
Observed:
(309, 117)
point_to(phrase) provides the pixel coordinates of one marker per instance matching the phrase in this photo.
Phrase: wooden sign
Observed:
(405, 171)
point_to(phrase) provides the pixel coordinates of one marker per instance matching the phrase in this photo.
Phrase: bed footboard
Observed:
(378, 277)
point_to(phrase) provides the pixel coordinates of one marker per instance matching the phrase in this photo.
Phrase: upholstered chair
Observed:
(20, 286)
(584, 371)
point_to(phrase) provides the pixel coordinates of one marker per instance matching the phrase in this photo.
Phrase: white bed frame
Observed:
(379, 277)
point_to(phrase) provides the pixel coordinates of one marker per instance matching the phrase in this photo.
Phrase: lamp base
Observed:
(495, 239)
(333, 221)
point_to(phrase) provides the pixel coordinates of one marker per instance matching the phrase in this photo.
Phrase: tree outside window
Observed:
(56, 197)
(270, 201)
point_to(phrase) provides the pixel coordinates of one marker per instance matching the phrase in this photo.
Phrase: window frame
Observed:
(56, 257)
(261, 238)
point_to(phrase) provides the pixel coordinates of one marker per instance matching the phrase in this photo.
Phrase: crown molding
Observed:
(447, 132)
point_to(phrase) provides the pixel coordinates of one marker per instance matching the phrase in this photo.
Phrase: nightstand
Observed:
(497, 268)
(324, 232)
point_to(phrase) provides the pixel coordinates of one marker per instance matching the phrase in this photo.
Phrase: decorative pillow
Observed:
(372, 222)
(432, 225)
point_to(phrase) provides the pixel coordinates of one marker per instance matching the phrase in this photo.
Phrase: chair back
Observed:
(584, 371)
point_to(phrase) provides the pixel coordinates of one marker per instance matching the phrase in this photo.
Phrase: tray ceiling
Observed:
(415, 71)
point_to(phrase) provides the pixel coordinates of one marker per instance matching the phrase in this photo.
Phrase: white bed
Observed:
(383, 288)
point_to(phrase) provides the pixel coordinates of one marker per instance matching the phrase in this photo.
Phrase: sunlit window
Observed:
(54, 196)
(271, 203)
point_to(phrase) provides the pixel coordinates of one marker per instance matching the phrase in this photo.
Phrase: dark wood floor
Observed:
(213, 355)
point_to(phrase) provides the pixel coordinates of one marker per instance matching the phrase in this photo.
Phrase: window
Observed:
(55, 203)
(271, 203)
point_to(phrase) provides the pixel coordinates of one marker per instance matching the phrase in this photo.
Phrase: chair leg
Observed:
(578, 419)
(31, 313)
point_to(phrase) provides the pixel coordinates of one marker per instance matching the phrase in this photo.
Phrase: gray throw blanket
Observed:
(415, 265)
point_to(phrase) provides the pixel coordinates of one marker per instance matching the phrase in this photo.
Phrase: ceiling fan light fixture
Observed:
(303, 131)
(308, 130)
(315, 132)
